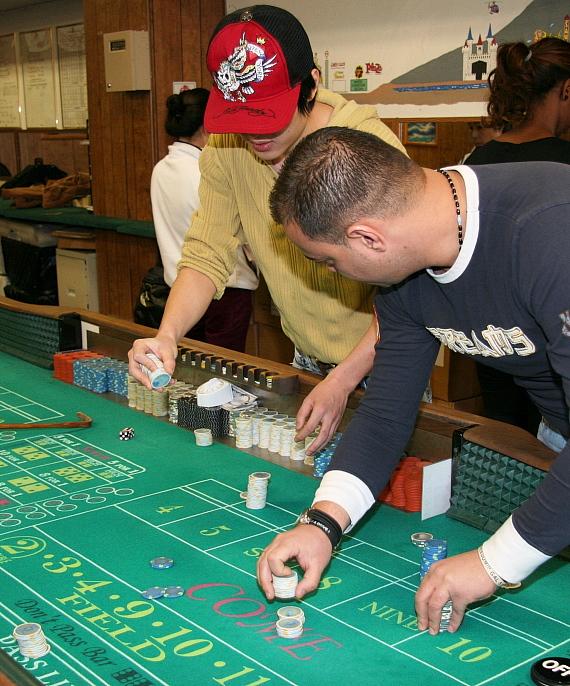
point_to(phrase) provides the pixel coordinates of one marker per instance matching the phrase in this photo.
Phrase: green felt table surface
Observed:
(78, 217)
(82, 513)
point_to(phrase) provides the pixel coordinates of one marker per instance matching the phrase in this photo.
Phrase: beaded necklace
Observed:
(457, 206)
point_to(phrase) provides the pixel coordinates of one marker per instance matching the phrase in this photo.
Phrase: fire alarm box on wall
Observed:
(127, 61)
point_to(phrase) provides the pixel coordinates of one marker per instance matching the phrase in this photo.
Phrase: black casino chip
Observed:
(551, 671)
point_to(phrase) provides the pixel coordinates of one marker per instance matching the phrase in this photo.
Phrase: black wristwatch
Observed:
(324, 522)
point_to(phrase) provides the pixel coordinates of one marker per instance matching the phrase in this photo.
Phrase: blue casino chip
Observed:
(153, 592)
(173, 591)
(161, 562)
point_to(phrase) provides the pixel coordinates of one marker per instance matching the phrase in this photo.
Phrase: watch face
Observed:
(304, 517)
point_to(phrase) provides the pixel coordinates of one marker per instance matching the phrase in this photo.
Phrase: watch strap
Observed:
(325, 523)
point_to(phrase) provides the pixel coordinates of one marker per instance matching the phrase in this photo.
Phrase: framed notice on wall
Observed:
(72, 73)
(37, 60)
(9, 102)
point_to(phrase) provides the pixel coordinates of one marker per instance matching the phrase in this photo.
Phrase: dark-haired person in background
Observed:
(480, 135)
(265, 99)
(174, 196)
(529, 101)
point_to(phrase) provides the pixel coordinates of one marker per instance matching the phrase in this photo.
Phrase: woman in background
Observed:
(530, 103)
(174, 196)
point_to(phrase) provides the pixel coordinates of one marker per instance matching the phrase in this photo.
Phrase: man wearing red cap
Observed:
(264, 101)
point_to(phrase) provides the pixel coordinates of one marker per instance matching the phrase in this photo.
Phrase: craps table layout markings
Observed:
(83, 514)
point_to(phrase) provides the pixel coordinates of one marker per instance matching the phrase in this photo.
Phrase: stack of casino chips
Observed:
(139, 397)
(287, 438)
(291, 621)
(265, 430)
(275, 430)
(31, 640)
(257, 490)
(289, 628)
(298, 451)
(203, 437)
(285, 586)
(155, 402)
(91, 374)
(404, 490)
(322, 458)
(177, 390)
(63, 363)
(291, 612)
(192, 416)
(258, 414)
(117, 377)
(147, 400)
(243, 424)
(132, 385)
(234, 414)
(432, 551)
(101, 375)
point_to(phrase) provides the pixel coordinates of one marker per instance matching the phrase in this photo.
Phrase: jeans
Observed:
(550, 437)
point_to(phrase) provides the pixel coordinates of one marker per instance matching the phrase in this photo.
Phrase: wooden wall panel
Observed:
(211, 13)
(191, 43)
(167, 66)
(453, 142)
(122, 262)
(119, 123)
(8, 150)
(127, 129)
(182, 57)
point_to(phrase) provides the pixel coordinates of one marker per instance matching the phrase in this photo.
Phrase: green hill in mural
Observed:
(540, 14)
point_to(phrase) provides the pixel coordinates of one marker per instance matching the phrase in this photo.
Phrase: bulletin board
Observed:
(72, 73)
(36, 56)
(9, 95)
(43, 78)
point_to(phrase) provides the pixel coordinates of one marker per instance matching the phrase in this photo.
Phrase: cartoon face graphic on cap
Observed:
(246, 66)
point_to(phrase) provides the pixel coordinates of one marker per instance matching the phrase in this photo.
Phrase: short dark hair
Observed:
(524, 75)
(336, 176)
(185, 112)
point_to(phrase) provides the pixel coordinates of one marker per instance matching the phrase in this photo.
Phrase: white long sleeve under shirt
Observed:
(174, 196)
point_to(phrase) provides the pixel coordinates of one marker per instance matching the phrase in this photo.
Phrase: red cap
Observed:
(252, 91)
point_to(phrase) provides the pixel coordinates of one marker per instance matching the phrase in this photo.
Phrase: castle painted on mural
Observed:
(479, 57)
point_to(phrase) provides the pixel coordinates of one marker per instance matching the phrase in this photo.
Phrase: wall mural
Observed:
(420, 59)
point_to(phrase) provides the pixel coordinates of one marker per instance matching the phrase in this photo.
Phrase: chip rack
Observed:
(37, 338)
(241, 372)
(487, 485)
